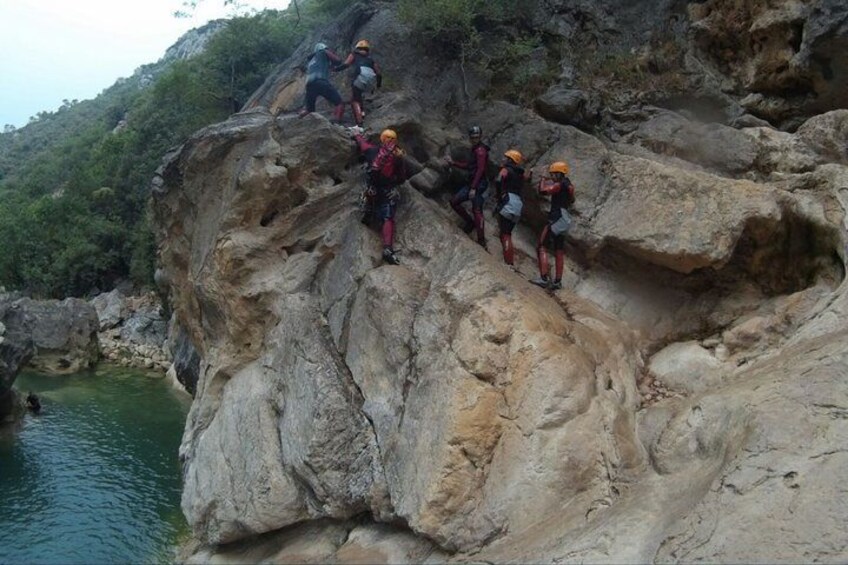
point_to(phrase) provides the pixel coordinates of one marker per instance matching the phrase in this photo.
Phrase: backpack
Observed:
(366, 80)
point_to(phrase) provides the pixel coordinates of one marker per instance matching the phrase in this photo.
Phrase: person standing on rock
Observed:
(365, 76)
(318, 82)
(475, 190)
(385, 171)
(509, 184)
(561, 192)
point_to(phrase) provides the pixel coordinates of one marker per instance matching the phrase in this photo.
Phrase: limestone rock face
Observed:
(445, 409)
(411, 392)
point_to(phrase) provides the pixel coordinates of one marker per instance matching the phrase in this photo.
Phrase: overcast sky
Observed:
(51, 50)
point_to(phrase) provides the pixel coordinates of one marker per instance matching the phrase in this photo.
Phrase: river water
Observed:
(95, 478)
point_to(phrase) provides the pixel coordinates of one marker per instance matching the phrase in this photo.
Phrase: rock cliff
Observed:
(681, 399)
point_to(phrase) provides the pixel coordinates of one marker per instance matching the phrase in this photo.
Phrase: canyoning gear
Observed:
(366, 80)
(475, 131)
(515, 156)
(556, 285)
(363, 44)
(559, 167)
(390, 257)
(319, 47)
(388, 135)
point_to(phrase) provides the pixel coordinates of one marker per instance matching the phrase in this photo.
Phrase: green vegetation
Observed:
(74, 183)
(496, 35)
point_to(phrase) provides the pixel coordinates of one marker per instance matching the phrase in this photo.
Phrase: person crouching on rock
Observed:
(561, 191)
(318, 81)
(385, 171)
(365, 76)
(509, 184)
(475, 190)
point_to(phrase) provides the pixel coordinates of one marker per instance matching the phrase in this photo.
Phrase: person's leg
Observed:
(477, 207)
(387, 231)
(559, 253)
(542, 256)
(311, 96)
(456, 203)
(356, 104)
(506, 226)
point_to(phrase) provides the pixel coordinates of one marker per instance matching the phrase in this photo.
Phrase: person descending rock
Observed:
(561, 191)
(365, 76)
(509, 184)
(477, 185)
(385, 171)
(318, 82)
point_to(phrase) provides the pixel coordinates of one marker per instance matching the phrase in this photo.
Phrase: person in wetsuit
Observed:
(509, 185)
(385, 171)
(561, 191)
(318, 81)
(475, 190)
(359, 79)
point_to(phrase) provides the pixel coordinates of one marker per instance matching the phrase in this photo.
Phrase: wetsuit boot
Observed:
(390, 257)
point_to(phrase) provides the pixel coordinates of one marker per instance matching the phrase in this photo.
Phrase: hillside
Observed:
(681, 398)
(74, 184)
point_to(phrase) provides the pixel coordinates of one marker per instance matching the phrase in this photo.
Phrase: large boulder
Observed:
(474, 412)
(412, 393)
(63, 333)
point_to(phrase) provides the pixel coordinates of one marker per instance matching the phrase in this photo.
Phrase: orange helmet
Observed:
(515, 156)
(559, 167)
(388, 135)
(363, 44)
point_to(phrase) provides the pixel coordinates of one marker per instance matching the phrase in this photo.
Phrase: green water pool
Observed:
(95, 478)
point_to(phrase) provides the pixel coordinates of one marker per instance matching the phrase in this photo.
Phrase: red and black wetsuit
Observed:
(562, 198)
(476, 167)
(510, 180)
(386, 171)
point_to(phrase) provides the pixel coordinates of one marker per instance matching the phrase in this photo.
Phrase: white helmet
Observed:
(320, 47)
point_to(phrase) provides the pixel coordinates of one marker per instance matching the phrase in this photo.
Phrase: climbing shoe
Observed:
(544, 282)
(390, 257)
(556, 285)
(468, 227)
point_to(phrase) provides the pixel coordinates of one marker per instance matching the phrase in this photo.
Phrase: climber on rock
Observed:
(561, 192)
(509, 184)
(318, 82)
(365, 76)
(385, 171)
(475, 190)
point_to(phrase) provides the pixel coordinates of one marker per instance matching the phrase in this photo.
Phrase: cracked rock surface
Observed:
(681, 399)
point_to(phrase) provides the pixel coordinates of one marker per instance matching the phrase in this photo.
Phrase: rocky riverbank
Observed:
(133, 330)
